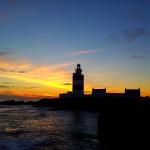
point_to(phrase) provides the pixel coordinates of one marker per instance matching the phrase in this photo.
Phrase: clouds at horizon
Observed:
(48, 75)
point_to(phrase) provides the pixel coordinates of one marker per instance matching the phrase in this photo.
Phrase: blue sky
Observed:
(110, 38)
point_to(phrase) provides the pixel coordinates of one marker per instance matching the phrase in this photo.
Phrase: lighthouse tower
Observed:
(78, 82)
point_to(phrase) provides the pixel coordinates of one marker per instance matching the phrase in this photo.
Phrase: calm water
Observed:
(30, 128)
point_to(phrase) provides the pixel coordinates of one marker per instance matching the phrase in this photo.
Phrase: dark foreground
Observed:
(123, 123)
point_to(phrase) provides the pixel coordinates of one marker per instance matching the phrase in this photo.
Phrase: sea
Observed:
(25, 127)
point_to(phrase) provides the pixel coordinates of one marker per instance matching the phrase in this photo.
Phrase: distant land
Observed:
(86, 103)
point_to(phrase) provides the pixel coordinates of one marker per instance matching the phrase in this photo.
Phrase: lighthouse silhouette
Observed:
(78, 82)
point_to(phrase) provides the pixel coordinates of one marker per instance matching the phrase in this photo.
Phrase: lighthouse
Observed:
(78, 82)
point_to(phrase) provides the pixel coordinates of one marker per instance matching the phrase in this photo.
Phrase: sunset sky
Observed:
(41, 41)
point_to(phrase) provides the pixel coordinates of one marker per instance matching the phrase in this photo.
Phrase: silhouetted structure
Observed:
(132, 92)
(78, 82)
(78, 88)
(98, 92)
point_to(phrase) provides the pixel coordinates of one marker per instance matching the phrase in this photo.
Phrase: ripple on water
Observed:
(23, 127)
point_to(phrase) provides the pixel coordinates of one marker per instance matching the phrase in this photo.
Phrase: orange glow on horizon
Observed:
(28, 80)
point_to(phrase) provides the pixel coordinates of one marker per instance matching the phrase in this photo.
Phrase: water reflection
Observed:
(25, 127)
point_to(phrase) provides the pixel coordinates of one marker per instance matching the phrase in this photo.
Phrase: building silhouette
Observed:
(78, 81)
(132, 92)
(98, 92)
(78, 88)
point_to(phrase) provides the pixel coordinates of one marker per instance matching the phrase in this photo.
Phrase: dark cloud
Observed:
(144, 47)
(3, 54)
(67, 84)
(21, 71)
(112, 38)
(25, 87)
(140, 57)
(3, 70)
(34, 87)
(4, 86)
(17, 86)
(134, 48)
(131, 34)
(16, 71)
(7, 70)
(6, 82)
(142, 54)
(145, 53)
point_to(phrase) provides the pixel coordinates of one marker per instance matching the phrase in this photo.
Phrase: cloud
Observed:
(140, 47)
(19, 65)
(22, 71)
(33, 87)
(25, 87)
(140, 57)
(67, 84)
(113, 38)
(86, 51)
(141, 51)
(4, 86)
(4, 54)
(27, 77)
(131, 34)
(13, 71)
(6, 82)
(3, 70)
(47, 75)
(7, 70)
